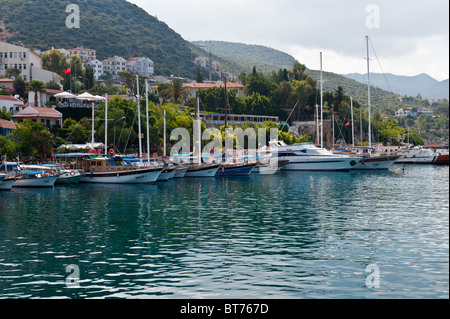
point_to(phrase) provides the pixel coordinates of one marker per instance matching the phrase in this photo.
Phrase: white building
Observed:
(98, 68)
(11, 104)
(28, 62)
(86, 55)
(114, 65)
(14, 56)
(141, 65)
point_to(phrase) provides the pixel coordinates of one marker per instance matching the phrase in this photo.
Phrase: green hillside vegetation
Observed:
(243, 57)
(112, 27)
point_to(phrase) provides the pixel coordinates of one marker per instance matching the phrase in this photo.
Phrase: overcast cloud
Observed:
(409, 36)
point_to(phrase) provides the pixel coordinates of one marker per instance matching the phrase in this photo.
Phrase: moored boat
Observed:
(236, 169)
(417, 155)
(307, 157)
(115, 171)
(442, 159)
(31, 179)
(202, 170)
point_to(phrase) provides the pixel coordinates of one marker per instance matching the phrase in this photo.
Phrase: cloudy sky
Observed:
(409, 37)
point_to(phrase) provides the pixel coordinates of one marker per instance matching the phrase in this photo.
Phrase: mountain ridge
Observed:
(423, 84)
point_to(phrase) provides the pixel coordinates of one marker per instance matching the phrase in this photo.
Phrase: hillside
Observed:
(245, 56)
(422, 84)
(112, 27)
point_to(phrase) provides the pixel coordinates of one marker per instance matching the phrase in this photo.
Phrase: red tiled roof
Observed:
(7, 124)
(37, 115)
(9, 98)
(53, 91)
(6, 80)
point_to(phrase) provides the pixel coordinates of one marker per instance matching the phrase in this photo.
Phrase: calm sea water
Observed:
(290, 235)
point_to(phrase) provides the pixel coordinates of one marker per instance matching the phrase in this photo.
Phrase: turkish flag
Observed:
(347, 124)
(67, 71)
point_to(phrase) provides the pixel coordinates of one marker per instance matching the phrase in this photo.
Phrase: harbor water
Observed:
(289, 235)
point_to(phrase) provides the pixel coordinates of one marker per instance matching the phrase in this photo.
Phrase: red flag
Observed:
(67, 71)
(347, 124)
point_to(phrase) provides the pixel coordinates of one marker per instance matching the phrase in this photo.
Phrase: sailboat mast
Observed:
(368, 91)
(321, 102)
(199, 131)
(139, 117)
(226, 104)
(148, 127)
(353, 127)
(106, 124)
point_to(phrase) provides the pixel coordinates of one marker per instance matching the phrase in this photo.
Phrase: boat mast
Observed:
(139, 117)
(368, 92)
(321, 102)
(148, 128)
(226, 104)
(165, 148)
(106, 124)
(199, 131)
(353, 128)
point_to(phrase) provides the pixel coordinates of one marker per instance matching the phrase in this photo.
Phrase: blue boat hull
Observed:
(240, 170)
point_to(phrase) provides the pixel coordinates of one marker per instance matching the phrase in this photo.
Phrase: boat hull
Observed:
(36, 182)
(202, 171)
(235, 170)
(376, 163)
(317, 164)
(166, 175)
(416, 160)
(139, 176)
(72, 177)
(180, 172)
(442, 160)
(7, 184)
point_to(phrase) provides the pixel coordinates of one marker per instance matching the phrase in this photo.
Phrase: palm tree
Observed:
(176, 91)
(36, 86)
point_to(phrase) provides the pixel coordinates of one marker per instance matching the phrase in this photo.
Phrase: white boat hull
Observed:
(376, 163)
(140, 176)
(36, 182)
(416, 160)
(321, 164)
(202, 172)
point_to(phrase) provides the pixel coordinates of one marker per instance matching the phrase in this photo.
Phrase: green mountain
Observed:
(244, 57)
(112, 27)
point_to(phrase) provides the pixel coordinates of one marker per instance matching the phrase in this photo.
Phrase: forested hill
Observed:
(246, 56)
(112, 27)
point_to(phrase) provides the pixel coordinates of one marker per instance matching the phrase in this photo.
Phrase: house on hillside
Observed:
(11, 104)
(7, 127)
(141, 65)
(51, 118)
(27, 61)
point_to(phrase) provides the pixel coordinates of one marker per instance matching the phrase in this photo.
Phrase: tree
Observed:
(52, 85)
(33, 139)
(54, 61)
(20, 86)
(176, 91)
(36, 86)
(12, 73)
(199, 76)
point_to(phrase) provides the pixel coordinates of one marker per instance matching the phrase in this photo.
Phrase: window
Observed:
(24, 55)
(15, 55)
(24, 66)
(20, 66)
(10, 55)
(25, 78)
